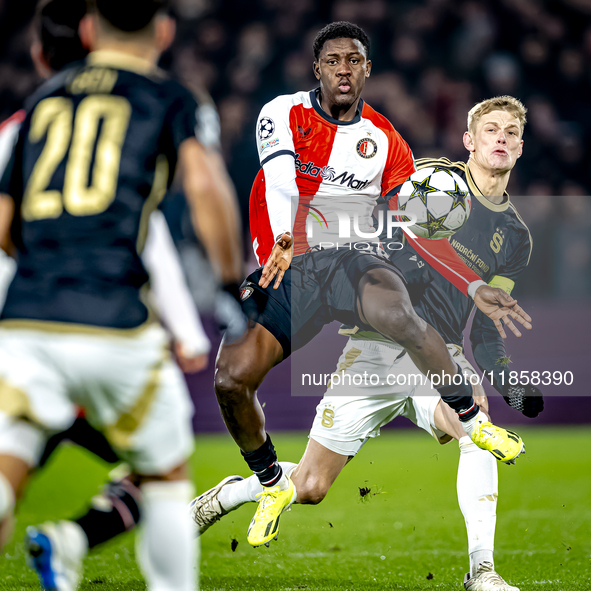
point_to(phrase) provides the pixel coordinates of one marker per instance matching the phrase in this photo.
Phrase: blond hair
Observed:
(497, 103)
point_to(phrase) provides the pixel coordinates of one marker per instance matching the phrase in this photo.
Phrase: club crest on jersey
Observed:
(246, 293)
(367, 148)
(266, 128)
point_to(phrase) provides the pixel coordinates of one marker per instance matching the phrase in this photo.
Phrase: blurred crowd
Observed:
(432, 60)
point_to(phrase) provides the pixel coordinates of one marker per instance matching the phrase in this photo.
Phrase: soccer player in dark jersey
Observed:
(332, 152)
(497, 243)
(96, 151)
(56, 44)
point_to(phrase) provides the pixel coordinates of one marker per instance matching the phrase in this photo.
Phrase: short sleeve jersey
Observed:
(95, 154)
(339, 165)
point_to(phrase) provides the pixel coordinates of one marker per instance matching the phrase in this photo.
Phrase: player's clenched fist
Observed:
(278, 262)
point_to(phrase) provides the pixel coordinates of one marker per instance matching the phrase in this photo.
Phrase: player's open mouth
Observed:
(501, 152)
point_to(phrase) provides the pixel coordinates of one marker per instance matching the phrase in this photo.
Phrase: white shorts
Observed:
(378, 382)
(125, 381)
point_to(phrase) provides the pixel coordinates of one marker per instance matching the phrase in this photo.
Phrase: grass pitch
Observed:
(406, 533)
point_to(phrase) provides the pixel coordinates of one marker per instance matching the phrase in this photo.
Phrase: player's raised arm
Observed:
(214, 224)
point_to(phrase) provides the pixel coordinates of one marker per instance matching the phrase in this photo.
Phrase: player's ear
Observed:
(368, 68)
(165, 32)
(87, 31)
(41, 64)
(520, 149)
(316, 68)
(468, 141)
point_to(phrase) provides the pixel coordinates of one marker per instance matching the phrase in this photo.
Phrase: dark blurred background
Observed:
(432, 61)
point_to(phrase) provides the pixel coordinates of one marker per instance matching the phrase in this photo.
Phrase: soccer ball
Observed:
(439, 198)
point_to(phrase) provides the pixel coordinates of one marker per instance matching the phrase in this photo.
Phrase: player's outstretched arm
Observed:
(498, 305)
(213, 220)
(278, 262)
(494, 302)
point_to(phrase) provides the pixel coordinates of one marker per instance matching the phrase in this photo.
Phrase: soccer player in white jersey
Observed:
(349, 416)
(331, 155)
(75, 295)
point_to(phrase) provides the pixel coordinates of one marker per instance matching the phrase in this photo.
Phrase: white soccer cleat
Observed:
(486, 579)
(206, 509)
(55, 552)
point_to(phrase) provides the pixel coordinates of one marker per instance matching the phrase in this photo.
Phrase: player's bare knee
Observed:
(232, 381)
(401, 324)
(312, 490)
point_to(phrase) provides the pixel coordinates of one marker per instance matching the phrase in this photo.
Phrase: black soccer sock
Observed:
(121, 513)
(459, 397)
(263, 462)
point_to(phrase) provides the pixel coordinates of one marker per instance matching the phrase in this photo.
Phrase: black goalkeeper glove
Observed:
(527, 399)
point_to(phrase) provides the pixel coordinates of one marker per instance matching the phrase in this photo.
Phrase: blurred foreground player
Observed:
(349, 415)
(322, 152)
(96, 152)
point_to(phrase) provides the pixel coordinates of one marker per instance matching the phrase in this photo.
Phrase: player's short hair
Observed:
(340, 30)
(130, 16)
(56, 25)
(497, 103)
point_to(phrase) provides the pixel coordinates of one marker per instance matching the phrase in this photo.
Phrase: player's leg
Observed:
(313, 476)
(477, 488)
(166, 547)
(384, 304)
(342, 424)
(316, 472)
(156, 442)
(226, 496)
(13, 475)
(117, 509)
(133, 378)
(240, 369)
(32, 404)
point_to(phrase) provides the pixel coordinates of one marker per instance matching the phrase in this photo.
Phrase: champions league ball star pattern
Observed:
(266, 128)
(439, 198)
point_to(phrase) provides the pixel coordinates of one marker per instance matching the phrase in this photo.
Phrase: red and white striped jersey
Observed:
(315, 167)
(332, 165)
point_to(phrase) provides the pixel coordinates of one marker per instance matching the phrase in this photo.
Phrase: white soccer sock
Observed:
(477, 496)
(167, 549)
(234, 495)
(470, 425)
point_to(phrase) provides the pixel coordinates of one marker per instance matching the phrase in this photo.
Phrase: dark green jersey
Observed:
(96, 153)
(494, 242)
